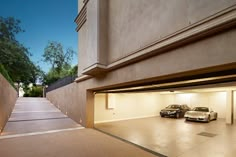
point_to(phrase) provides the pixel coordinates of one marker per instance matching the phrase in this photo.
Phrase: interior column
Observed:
(229, 107)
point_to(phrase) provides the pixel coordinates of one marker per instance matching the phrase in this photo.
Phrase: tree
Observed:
(13, 55)
(74, 70)
(53, 75)
(6, 75)
(34, 91)
(9, 27)
(59, 60)
(54, 55)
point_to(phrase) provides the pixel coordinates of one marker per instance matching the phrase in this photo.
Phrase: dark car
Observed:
(175, 110)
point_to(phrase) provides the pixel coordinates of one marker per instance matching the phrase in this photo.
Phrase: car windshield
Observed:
(173, 106)
(202, 109)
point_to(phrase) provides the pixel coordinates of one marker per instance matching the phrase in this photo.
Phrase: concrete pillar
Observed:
(229, 107)
(89, 109)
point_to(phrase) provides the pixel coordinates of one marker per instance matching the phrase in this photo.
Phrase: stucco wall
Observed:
(82, 55)
(67, 100)
(213, 51)
(133, 24)
(8, 96)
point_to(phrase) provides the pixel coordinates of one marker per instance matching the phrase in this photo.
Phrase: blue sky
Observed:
(43, 21)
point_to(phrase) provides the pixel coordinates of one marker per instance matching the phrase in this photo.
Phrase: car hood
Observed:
(196, 113)
(169, 109)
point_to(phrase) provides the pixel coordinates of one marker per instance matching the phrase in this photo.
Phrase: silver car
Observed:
(204, 114)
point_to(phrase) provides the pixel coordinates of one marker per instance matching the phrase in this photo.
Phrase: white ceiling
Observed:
(200, 90)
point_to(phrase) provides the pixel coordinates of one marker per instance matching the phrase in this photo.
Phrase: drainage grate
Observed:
(207, 134)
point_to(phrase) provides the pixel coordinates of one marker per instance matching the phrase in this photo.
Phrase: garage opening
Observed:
(123, 106)
(133, 115)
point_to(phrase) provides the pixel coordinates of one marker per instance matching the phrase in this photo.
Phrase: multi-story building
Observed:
(137, 56)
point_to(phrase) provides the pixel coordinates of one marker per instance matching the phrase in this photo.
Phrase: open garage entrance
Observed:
(132, 114)
(123, 106)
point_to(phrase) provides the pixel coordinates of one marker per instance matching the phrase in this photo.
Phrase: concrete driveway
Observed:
(38, 129)
(175, 137)
(36, 115)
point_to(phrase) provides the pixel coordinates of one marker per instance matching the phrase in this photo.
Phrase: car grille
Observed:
(167, 112)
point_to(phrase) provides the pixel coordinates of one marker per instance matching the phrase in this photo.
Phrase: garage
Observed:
(123, 106)
(132, 114)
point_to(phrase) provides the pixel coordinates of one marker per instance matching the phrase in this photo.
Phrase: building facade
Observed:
(150, 45)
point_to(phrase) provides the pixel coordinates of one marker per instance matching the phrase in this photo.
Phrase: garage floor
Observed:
(176, 137)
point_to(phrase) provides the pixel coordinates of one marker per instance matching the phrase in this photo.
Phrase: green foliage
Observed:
(9, 27)
(60, 62)
(13, 55)
(54, 55)
(74, 71)
(35, 91)
(5, 74)
(53, 75)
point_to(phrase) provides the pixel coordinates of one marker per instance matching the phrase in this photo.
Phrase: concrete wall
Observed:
(135, 24)
(8, 96)
(67, 100)
(82, 55)
(127, 106)
(210, 52)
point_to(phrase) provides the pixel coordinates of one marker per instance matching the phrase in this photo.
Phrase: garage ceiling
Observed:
(210, 84)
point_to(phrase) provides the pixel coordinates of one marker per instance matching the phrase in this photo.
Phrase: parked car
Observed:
(174, 110)
(204, 114)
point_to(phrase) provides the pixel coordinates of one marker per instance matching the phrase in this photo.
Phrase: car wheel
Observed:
(186, 119)
(208, 119)
(216, 116)
(162, 116)
(177, 115)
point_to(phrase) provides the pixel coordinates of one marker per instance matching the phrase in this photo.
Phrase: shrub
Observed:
(35, 91)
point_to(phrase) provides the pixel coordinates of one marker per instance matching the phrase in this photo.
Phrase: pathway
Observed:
(36, 115)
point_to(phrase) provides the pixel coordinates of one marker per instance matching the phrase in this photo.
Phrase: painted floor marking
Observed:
(36, 111)
(36, 119)
(39, 133)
